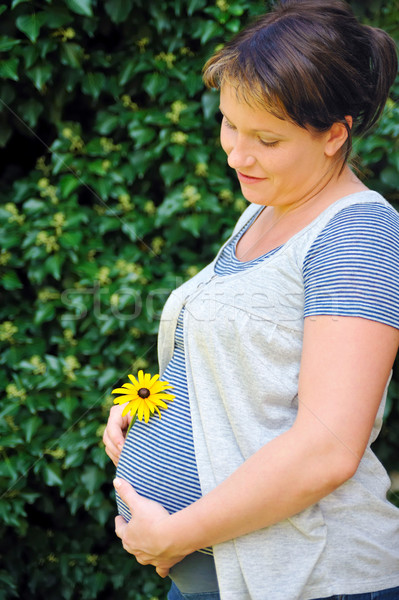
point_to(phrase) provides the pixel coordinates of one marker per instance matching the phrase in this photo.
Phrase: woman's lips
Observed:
(248, 179)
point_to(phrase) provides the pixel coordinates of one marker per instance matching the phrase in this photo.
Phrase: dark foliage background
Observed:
(113, 191)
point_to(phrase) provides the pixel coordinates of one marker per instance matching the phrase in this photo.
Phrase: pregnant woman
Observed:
(259, 482)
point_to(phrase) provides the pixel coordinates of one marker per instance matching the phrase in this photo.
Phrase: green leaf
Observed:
(193, 224)
(9, 69)
(93, 84)
(33, 206)
(31, 109)
(107, 123)
(57, 16)
(80, 7)
(53, 265)
(118, 10)
(44, 313)
(194, 5)
(107, 378)
(16, 2)
(208, 30)
(155, 83)
(5, 134)
(68, 184)
(390, 176)
(93, 478)
(40, 74)
(11, 281)
(52, 474)
(30, 426)
(71, 239)
(141, 135)
(67, 405)
(30, 25)
(9, 238)
(72, 55)
(7, 43)
(171, 172)
(30, 55)
(210, 104)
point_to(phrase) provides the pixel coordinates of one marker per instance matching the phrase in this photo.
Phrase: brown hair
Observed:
(311, 62)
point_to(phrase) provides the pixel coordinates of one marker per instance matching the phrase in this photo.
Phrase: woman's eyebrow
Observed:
(255, 130)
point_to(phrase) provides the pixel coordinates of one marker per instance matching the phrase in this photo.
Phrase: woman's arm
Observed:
(345, 366)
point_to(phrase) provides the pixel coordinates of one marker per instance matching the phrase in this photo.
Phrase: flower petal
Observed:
(160, 386)
(159, 403)
(146, 412)
(134, 381)
(140, 411)
(162, 396)
(140, 377)
(124, 391)
(124, 399)
(153, 380)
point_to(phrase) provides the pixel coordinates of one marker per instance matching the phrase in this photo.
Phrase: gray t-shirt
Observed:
(253, 321)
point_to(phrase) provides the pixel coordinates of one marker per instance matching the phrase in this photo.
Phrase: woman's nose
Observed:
(240, 156)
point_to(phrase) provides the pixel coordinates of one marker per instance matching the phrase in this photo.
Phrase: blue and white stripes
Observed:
(352, 268)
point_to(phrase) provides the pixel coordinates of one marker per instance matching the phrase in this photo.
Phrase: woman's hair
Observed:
(311, 62)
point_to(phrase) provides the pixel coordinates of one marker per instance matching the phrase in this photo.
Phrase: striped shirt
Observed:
(352, 268)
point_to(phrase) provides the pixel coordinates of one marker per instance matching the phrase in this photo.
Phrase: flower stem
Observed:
(130, 424)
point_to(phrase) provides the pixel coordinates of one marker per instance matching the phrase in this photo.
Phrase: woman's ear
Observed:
(337, 136)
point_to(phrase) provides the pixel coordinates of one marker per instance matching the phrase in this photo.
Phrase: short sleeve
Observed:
(352, 267)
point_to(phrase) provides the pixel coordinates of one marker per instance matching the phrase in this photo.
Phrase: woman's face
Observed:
(277, 162)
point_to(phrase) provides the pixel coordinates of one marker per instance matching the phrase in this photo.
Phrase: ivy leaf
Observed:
(9, 69)
(5, 133)
(155, 83)
(7, 43)
(10, 281)
(210, 103)
(31, 109)
(44, 313)
(72, 55)
(171, 172)
(16, 2)
(93, 84)
(80, 7)
(53, 265)
(194, 5)
(30, 426)
(118, 10)
(68, 184)
(40, 74)
(52, 474)
(30, 25)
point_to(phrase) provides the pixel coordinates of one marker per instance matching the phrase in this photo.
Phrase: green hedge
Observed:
(113, 191)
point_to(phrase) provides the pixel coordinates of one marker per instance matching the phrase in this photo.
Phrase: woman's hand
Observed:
(115, 432)
(142, 536)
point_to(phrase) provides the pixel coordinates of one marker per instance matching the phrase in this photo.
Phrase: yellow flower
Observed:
(144, 395)
(179, 137)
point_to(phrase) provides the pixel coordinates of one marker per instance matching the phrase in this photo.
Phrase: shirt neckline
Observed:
(278, 250)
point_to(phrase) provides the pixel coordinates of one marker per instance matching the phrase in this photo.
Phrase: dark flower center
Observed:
(144, 392)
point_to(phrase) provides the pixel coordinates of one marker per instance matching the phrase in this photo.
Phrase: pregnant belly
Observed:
(158, 457)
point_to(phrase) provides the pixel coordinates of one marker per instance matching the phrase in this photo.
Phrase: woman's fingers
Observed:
(111, 450)
(114, 434)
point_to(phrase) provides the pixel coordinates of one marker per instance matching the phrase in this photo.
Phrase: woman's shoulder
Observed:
(368, 216)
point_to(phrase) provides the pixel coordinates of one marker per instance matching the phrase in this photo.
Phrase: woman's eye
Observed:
(227, 123)
(268, 144)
